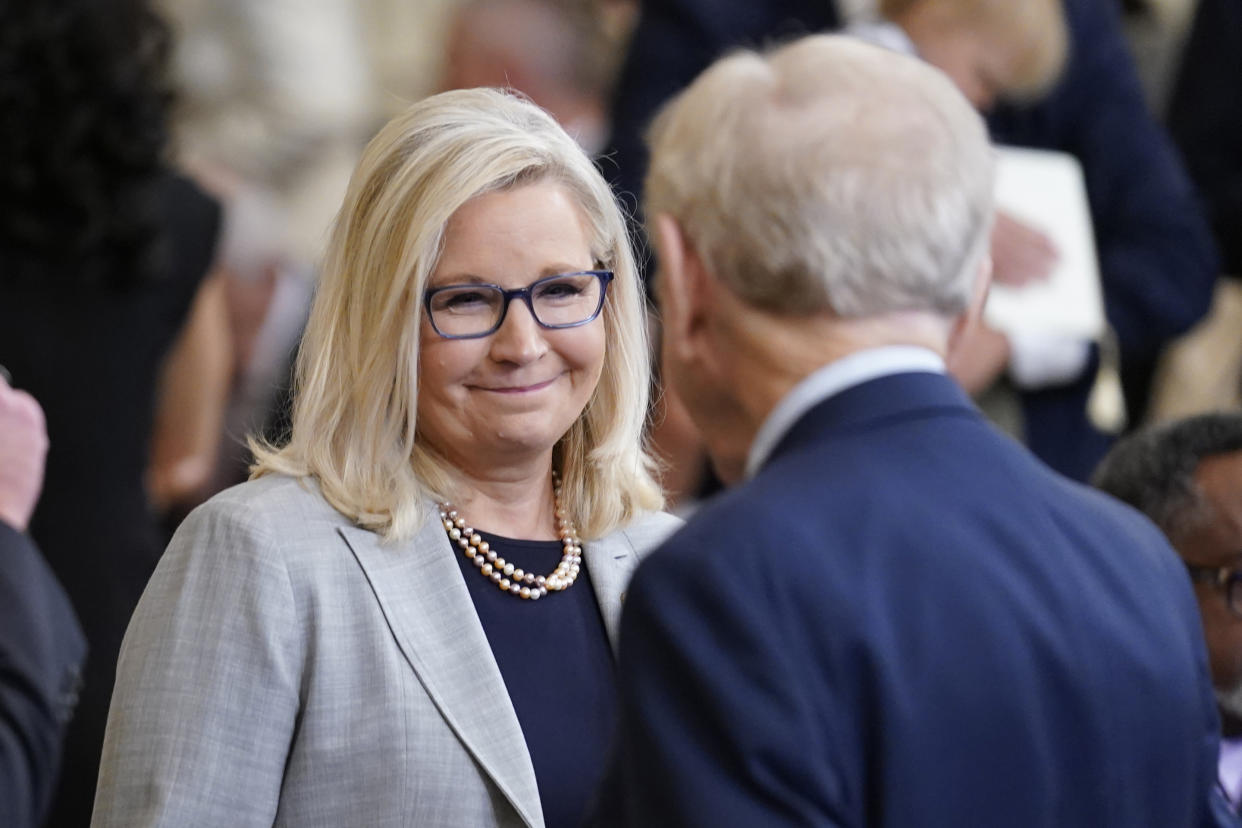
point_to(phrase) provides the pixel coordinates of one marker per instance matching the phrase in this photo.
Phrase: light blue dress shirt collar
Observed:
(832, 379)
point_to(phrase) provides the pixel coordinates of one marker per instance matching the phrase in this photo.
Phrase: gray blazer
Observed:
(284, 668)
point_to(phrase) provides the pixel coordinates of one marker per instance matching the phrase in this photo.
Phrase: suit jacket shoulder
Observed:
(41, 654)
(901, 607)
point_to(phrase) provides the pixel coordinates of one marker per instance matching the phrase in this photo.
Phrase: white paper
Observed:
(1045, 189)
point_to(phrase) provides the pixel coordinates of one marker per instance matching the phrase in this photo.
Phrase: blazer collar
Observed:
(421, 592)
(611, 561)
(896, 396)
(420, 589)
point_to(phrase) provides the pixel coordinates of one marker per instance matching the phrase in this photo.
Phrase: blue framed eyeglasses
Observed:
(565, 300)
(1225, 578)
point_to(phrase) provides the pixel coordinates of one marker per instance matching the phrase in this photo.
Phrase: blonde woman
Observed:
(406, 617)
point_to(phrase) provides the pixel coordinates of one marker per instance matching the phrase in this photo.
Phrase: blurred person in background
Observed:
(274, 105)
(1186, 476)
(333, 643)
(1205, 120)
(104, 301)
(556, 52)
(41, 645)
(1204, 115)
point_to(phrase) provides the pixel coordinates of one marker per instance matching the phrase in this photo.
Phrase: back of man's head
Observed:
(1153, 469)
(828, 175)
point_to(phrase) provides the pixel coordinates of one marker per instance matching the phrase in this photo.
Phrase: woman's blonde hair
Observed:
(356, 382)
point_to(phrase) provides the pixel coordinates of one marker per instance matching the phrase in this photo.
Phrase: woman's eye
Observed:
(559, 290)
(464, 301)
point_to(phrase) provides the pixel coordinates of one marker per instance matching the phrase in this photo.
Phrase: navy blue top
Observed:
(557, 664)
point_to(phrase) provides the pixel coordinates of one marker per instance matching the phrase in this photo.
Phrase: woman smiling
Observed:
(406, 617)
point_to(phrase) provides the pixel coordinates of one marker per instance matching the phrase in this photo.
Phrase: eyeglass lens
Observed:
(1233, 592)
(557, 301)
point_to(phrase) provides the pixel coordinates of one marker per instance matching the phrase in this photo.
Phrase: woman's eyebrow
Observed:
(458, 279)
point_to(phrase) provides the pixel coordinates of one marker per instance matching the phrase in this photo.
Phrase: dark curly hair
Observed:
(83, 107)
(1154, 468)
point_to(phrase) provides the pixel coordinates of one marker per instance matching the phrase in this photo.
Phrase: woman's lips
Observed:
(516, 389)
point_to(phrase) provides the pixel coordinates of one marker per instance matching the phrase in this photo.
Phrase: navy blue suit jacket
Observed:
(1157, 260)
(905, 619)
(41, 653)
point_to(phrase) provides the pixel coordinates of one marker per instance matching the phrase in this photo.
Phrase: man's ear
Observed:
(680, 282)
(972, 317)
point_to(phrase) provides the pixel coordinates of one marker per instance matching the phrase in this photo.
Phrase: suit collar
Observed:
(428, 607)
(831, 379)
(892, 397)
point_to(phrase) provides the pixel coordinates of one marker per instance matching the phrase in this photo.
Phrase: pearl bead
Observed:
(508, 576)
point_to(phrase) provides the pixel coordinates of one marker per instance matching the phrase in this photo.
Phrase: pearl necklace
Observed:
(503, 573)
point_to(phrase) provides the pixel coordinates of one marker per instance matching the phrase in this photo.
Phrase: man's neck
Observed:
(766, 356)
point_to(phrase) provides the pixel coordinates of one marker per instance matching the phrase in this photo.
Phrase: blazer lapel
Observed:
(420, 589)
(611, 561)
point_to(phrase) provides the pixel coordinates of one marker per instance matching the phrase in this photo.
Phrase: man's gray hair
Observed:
(828, 175)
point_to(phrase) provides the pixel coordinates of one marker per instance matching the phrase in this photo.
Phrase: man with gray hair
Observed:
(896, 616)
(1187, 477)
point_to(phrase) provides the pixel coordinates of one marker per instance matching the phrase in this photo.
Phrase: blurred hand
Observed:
(23, 447)
(979, 358)
(1020, 253)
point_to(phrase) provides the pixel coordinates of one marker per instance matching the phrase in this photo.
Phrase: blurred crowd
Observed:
(169, 174)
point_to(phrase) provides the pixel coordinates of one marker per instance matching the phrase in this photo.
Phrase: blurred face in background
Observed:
(980, 66)
(1217, 542)
(538, 48)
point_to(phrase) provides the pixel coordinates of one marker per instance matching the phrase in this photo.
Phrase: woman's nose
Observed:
(519, 339)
